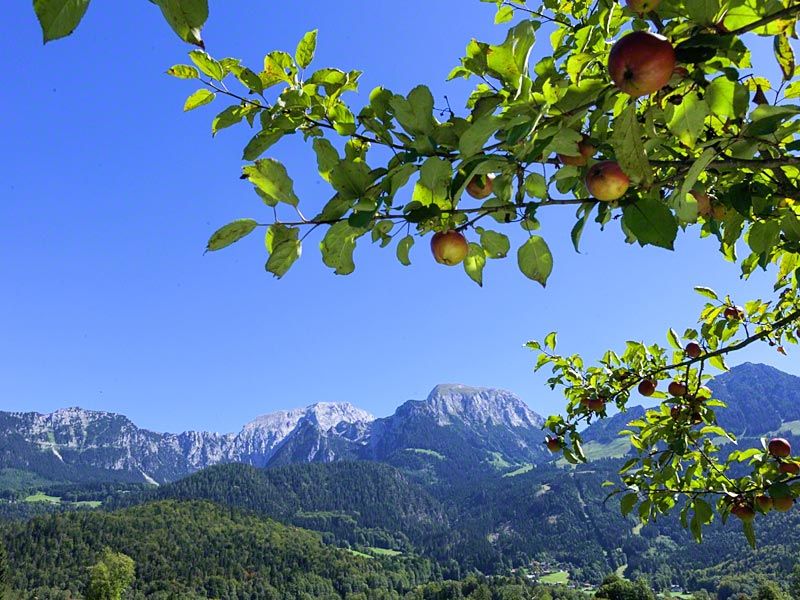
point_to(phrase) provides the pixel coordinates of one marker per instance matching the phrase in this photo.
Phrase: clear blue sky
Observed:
(110, 192)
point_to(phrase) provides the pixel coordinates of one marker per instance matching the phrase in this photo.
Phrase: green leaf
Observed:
(284, 248)
(306, 48)
(186, 17)
(674, 339)
(509, 61)
(207, 65)
(350, 178)
(271, 178)
(434, 182)
(230, 233)
(535, 260)
(688, 119)
(183, 72)
(403, 248)
(59, 18)
(474, 263)
(685, 206)
(228, 117)
(707, 292)
(785, 55)
(475, 137)
(626, 140)
(260, 143)
(327, 157)
(726, 98)
(496, 245)
(199, 98)
(651, 222)
(415, 113)
(749, 533)
(250, 80)
(337, 247)
(536, 186)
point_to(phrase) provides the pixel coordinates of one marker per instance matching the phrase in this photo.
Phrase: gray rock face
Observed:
(322, 432)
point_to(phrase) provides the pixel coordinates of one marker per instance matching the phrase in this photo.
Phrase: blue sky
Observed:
(110, 192)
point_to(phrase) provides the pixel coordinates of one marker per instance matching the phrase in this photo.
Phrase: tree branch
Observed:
(786, 12)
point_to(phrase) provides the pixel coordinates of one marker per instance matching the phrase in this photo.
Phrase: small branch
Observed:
(786, 12)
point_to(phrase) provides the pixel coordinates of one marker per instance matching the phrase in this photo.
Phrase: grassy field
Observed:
(426, 452)
(557, 578)
(521, 471)
(41, 497)
(498, 462)
(357, 553)
(384, 551)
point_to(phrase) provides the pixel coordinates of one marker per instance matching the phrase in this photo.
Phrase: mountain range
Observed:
(460, 478)
(475, 425)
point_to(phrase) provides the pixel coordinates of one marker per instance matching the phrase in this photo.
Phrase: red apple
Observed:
(675, 412)
(677, 389)
(641, 63)
(607, 181)
(585, 152)
(744, 511)
(693, 350)
(449, 247)
(779, 447)
(789, 468)
(481, 186)
(553, 444)
(734, 313)
(783, 504)
(647, 387)
(764, 503)
(643, 6)
(596, 404)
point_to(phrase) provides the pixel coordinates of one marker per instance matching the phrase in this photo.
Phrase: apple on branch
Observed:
(641, 63)
(607, 181)
(481, 186)
(449, 247)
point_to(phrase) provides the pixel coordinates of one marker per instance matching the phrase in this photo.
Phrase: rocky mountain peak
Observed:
(328, 415)
(479, 405)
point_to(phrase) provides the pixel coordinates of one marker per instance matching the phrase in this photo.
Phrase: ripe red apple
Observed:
(789, 468)
(744, 511)
(449, 247)
(553, 444)
(641, 63)
(607, 181)
(596, 404)
(693, 350)
(779, 447)
(675, 412)
(481, 186)
(677, 389)
(647, 387)
(643, 6)
(764, 503)
(734, 313)
(585, 152)
(783, 504)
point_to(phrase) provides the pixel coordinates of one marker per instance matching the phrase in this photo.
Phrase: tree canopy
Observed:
(651, 115)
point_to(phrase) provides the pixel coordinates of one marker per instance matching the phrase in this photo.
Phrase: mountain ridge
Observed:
(320, 432)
